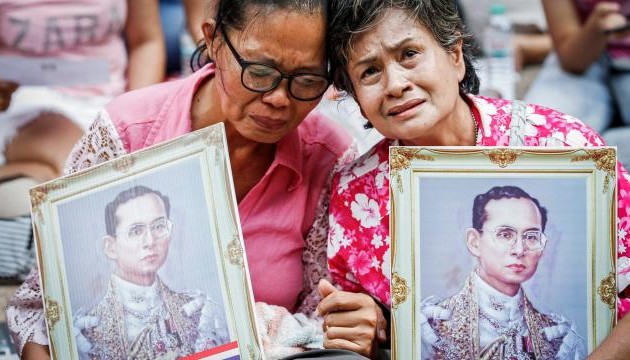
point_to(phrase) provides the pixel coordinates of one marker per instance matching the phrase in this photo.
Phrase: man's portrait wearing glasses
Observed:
(140, 317)
(491, 317)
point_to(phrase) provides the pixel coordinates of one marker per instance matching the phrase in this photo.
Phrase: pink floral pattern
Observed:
(358, 249)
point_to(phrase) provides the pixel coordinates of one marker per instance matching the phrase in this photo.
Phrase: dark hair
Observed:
(233, 14)
(127, 195)
(479, 215)
(349, 18)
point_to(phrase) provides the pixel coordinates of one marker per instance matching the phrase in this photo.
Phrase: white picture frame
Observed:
(204, 262)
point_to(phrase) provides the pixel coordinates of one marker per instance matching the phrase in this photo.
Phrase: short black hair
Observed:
(135, 192)
(479, 215)
(232, 14)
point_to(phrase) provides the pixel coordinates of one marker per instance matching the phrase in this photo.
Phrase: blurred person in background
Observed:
(588, 75)
(531, 43)
(39, 124)
(181, 24)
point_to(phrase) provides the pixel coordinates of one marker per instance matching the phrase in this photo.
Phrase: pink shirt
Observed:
(70, 30)
(287, 203)
(279, 210)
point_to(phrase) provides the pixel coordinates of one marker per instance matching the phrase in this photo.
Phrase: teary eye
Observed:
(370, 71)
(408, 53)
(260, 71)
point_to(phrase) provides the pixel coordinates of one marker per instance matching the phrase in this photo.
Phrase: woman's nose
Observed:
(397, 81)
(278, 97)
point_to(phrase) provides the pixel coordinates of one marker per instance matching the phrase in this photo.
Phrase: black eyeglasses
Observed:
(262, 78)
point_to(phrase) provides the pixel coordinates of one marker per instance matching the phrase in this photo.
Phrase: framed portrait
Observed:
(502, 253)
(142, 257)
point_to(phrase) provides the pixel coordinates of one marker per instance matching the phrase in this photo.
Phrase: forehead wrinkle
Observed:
(380, 24)
(254, 43)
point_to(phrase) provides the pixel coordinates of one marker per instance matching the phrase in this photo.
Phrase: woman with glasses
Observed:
(409, 64)
(267, 71)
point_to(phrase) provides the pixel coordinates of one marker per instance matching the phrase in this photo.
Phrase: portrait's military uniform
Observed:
(153, 322)
(486, 324)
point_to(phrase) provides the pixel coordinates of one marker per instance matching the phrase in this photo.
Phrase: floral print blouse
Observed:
(358, 239)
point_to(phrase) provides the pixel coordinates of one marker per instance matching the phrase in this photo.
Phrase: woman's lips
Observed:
(268, 123)
(405, 108)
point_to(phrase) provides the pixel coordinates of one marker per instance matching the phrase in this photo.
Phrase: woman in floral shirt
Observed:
(415, 84)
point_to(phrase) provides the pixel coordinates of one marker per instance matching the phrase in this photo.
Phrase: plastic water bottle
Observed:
(498, 49)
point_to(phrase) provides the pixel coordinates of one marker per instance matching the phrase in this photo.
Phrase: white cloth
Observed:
(499, 315)
(141, 303)
(28, 102)
(283, 335)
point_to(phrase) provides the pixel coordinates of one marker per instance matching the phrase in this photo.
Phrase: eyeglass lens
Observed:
(159, 229)
(532, 239)
(259, 77)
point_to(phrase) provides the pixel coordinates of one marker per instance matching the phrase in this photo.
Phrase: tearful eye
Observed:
(371, 71)
(309, 81)
(260, 71)
(410, 53)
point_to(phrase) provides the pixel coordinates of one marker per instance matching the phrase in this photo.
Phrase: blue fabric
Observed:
(620, 137)
(173, 21)
(17, 251)
(587, 96)
(594, 97)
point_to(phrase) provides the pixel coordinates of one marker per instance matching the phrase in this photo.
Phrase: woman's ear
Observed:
(472, 241)
(208, 28)
(457, 57)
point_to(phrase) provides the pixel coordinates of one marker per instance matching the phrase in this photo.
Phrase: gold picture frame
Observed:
(572, 283)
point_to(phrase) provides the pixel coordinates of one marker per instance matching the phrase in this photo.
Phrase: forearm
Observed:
(533, 47)
(35, 352)
(616, 345)
(146, 64)
(578, 52)
(577, 44)
(145, 41)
